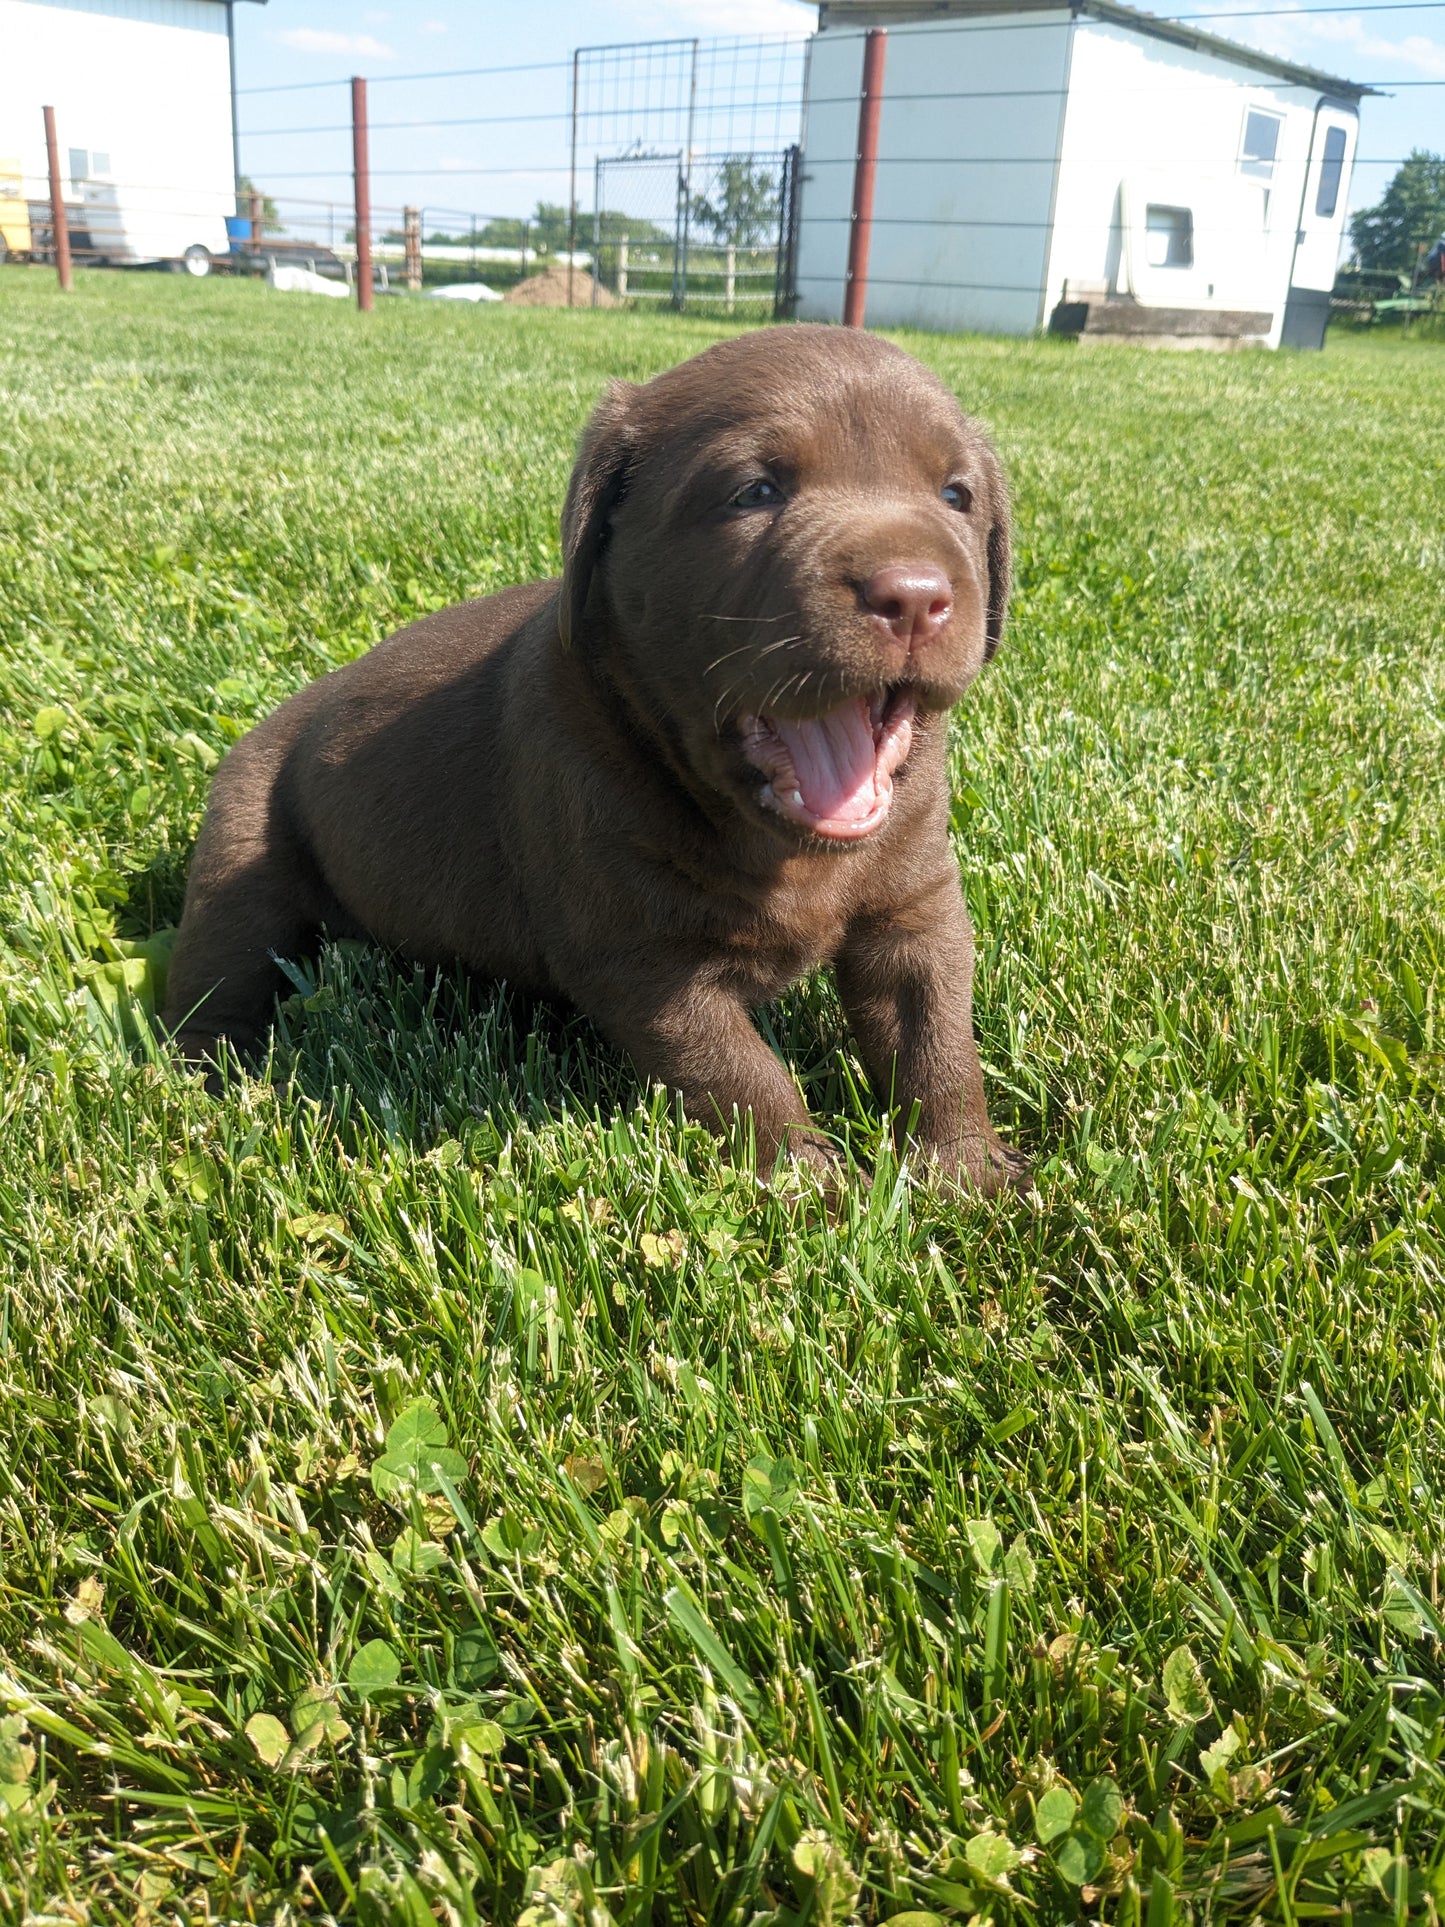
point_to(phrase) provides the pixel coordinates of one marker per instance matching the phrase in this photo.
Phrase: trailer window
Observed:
(1168, 237)
(79, 166)
(99, 163)
(1261, 144)
(1332, 169)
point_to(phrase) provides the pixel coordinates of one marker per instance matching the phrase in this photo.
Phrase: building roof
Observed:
(884, 13)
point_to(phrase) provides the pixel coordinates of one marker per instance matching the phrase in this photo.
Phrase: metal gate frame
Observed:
(789, 193)
(785, 281)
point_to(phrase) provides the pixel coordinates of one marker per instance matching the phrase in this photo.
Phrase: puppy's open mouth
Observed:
(833, 774)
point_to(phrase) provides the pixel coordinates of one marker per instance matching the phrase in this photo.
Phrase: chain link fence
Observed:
(709, 233)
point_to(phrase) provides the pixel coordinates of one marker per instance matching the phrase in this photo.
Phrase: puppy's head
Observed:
(787, 550)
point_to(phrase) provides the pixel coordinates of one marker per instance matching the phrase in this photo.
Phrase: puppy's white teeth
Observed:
(795, 796)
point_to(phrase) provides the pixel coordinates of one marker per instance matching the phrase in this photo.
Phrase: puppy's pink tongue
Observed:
(835, 761)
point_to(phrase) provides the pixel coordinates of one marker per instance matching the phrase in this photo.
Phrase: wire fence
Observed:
(666, 173)
(118, 223)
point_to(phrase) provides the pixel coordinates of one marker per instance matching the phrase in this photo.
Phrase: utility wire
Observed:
(554, 66)
(817, 100)
(443, 73)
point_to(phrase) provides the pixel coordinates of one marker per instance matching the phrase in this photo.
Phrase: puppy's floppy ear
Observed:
(599, 481)
(1000, 552)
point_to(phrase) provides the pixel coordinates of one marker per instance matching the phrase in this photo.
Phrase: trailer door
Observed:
(1321, 222)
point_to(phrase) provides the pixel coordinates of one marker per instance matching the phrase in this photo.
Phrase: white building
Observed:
(142, 92)
(1084, 167)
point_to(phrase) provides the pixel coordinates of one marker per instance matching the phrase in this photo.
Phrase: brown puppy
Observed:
(708, 760)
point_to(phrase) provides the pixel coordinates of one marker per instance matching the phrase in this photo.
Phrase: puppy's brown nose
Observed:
(912, 599)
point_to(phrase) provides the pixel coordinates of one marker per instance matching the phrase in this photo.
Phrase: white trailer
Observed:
(142, 91)
(1086, 168)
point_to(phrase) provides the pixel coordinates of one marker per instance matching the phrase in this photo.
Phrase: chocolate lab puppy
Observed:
(708, 760)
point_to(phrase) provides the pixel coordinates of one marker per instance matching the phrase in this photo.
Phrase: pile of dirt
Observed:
(549, 289)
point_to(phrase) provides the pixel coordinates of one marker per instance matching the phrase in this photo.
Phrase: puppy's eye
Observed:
(761, 494)
(958, 497)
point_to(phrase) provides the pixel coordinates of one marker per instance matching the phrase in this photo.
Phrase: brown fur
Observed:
(549, 785)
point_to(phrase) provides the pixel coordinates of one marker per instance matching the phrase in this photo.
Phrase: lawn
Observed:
(436, 1484)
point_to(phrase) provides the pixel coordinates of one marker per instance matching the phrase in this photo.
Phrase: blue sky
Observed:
(517, 153)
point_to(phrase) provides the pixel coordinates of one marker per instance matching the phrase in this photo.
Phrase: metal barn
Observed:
(1086, 168)
(142, 91)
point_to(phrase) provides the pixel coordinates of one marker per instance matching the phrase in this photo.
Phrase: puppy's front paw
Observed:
(983, 1165)
(827, 1169)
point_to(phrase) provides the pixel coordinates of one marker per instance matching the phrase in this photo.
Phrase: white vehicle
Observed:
(141, 92)
(128, 226)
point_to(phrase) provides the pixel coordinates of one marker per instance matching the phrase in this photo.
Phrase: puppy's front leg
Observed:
(906, 981)
(700, 1041)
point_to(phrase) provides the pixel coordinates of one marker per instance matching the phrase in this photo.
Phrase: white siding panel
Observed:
(198, 16)
(1152, 122)
(830, 136)
(967, 153)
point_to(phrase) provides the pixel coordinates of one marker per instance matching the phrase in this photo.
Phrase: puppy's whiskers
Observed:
(726, 657)
(780, 642)
(786, 616)
(798, 682)
(734, 689)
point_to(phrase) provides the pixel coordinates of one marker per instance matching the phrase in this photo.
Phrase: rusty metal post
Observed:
(255, 212)
(870, 109)
(411, 231)
(361, 172)
(59, 229)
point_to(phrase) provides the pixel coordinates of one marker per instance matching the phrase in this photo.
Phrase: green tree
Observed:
(271, 222)
(546, 230)
(638, 230)
(742, 208)
(1411, 210)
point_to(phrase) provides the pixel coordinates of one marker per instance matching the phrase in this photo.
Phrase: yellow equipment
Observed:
(15, 235)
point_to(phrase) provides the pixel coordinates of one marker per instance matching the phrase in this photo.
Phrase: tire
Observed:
(197, 261)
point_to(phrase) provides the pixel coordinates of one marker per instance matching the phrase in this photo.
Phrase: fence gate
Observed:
(638, 222)
(715, 234)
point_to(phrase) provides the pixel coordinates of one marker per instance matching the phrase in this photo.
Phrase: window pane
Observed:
(79, 165)
(1332, 170)
(1168, 237)
(99, 163)
(1261, 142)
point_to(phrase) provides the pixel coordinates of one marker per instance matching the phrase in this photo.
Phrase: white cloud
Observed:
(1320, 40)
(433, 26)
(313, 40)
(1414, 54)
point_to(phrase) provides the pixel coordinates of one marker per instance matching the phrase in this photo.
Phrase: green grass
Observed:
(1075, 1560)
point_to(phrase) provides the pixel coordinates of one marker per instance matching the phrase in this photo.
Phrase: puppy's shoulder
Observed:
(441, 646)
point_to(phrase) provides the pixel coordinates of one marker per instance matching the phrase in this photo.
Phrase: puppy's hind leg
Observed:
(223, 979)
(251, 898)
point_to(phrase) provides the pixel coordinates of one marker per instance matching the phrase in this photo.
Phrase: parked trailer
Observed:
(140, 92)
(123, 226)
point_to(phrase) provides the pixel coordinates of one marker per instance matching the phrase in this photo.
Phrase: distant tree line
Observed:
(1409, 217)
(739, 209)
